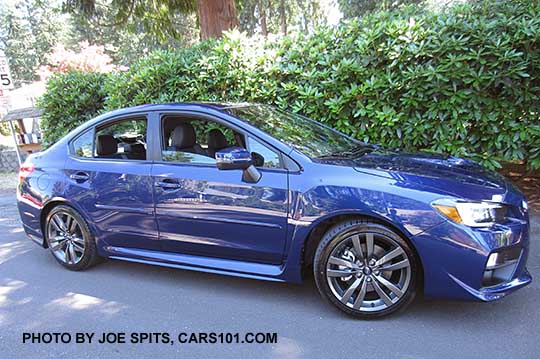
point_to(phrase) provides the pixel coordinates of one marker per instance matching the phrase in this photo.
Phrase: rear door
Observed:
(205, 211)
(109, 176)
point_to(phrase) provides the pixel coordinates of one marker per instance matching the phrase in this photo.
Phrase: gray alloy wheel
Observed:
(365, 269)
(69, 238)
(368, 271)
(66, 239)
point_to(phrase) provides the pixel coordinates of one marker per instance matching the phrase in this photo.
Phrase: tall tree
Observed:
(283, 17)
(357, 8)
(262, 12)
(160, 17)
(266, 16)
(126, 44)
(216, 16)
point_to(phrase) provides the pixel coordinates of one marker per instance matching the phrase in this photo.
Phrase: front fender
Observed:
(346, 192)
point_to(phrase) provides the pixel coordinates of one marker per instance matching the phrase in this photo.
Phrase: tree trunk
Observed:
(262, 11)
(216, 16)
(283, 17)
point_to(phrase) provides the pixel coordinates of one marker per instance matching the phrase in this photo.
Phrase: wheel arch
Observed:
(47, 208)
(319, 228)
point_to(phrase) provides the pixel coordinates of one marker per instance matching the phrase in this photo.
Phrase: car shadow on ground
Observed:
(305, 297)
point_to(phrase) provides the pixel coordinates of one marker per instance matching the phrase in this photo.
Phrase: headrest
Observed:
(217, 140)
(135, 148)
(106, 145)
(183, 136)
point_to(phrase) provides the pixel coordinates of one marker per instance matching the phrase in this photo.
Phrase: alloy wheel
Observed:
(368, 271)
(66, 239)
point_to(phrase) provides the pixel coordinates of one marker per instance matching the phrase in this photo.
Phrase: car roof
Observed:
(201, 104)
(215, 106)
(189, 106)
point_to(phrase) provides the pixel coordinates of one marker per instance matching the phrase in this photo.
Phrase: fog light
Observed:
(500, 266)
(492, 261)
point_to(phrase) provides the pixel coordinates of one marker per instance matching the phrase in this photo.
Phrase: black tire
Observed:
(341, 242)
(83, 259)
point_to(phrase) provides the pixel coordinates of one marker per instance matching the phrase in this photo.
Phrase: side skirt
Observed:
(197, 263)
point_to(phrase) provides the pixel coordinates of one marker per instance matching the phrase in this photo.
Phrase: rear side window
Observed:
(82, 146)
(125, 139)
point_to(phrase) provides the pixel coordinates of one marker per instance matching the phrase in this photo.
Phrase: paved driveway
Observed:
(37, 295)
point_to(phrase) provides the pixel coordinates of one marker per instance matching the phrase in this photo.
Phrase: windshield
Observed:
(305, 135)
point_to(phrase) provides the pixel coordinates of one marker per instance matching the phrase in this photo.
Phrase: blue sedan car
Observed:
(252, 191)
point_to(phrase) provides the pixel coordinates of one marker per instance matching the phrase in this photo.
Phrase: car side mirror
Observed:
(258, 159)
(233, 158)
(238, 158)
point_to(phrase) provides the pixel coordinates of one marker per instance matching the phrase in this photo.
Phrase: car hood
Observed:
(443, 174)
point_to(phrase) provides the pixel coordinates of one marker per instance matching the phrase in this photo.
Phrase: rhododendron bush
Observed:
(90, 58)
(463, 81)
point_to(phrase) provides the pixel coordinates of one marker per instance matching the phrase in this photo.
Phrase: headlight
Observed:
(472, 214)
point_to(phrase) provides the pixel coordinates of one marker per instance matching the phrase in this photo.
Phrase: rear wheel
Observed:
(69, 239)
(365, 269)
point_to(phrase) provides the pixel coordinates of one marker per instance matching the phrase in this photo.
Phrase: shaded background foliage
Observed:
(71, 99)
(464, 80)
(351, 9)
(27, 33)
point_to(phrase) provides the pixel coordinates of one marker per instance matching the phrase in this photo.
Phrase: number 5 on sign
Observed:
(5, 76)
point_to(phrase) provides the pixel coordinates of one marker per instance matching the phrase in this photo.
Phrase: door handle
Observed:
(168, 184)
(79, 176)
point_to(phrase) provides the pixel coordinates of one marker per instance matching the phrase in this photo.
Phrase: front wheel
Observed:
(365, 269)
(69, 239)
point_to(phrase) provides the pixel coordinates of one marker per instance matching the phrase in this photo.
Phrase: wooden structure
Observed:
(26, 141)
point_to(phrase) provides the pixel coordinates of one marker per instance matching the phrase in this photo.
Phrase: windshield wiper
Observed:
(354, 153)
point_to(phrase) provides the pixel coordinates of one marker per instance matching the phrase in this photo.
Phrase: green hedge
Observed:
(70, 100)
(463, 81)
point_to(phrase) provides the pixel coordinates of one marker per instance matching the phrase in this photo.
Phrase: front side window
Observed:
(195, 140)
(82, 146)
(262, 155)
(125, 139)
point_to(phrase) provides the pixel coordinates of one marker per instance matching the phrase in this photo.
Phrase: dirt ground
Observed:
(8, 181)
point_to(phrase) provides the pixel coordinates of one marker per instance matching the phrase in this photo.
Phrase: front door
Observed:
(202, 210)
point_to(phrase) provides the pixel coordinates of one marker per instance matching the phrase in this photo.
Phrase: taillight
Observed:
(25, 170)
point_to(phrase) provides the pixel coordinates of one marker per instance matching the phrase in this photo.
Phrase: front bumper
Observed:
(455, 260)
(499, 291)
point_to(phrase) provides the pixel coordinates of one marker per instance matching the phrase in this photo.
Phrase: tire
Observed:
(377, 282)
(69, 239)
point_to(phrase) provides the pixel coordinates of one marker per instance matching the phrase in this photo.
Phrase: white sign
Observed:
(4, 102)
(6, 82)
